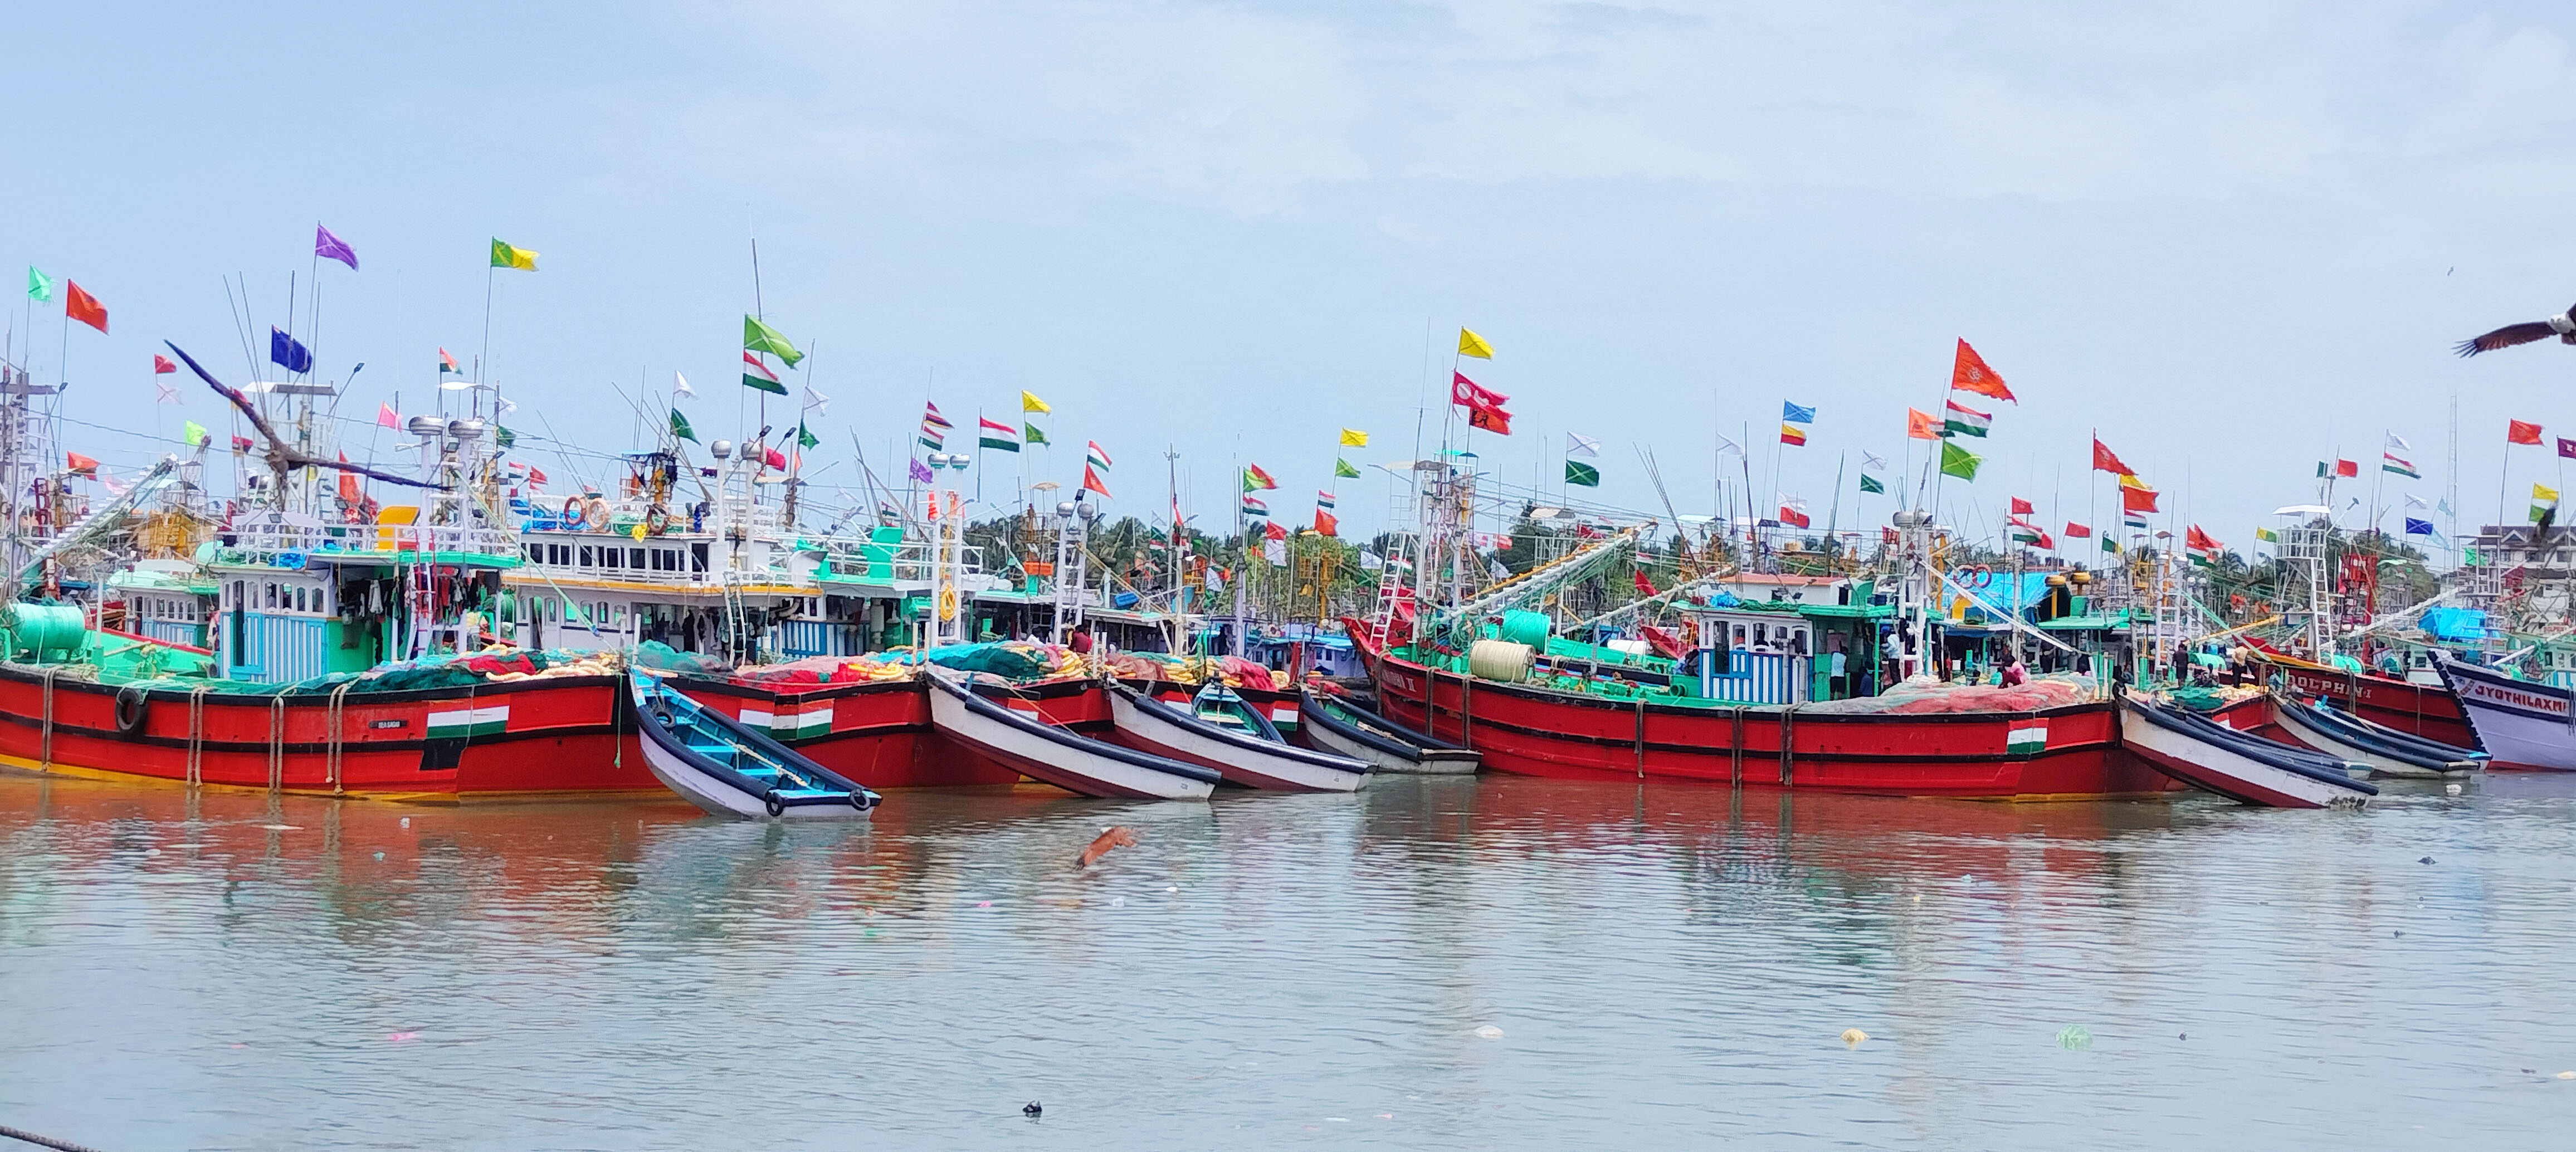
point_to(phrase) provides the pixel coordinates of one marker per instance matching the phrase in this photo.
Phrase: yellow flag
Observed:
(1029, 402)
(1353, 437)
(505, 256)
(1470, 344)
(2543, 493)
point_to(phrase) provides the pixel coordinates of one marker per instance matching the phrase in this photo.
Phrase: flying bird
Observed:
(2511, 334)
(282, 459)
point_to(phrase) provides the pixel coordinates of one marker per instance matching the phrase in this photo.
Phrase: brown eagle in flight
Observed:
(2511, 334)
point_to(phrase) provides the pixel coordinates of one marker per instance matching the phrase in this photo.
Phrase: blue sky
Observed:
(2235, 237)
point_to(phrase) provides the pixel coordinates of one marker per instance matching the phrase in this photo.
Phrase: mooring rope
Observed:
(197, 735)
(277, 741)
(46, 752)
(339, 721)
(45, 1141)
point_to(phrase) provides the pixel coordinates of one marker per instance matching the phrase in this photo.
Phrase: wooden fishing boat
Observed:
(2431, 711)
(2520, 724)
(1027, 743)
(1219, 731)
(876, 733)
(2388, 752)
(729, 769)
(1344, 728)
(2242, 767)
(2068, 752)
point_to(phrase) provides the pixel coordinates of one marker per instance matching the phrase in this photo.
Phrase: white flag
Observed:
(1869, 459)
(817, 401)
(1371, 561)
(1726, 445)
(1578, 444)
(109, 481)
(169, 395)
(2443, 506)
(503, 405)
(2399, 443)
(2414, 501)
(1789, 501)
(680, 387)
(1275, 551)
(1496, 568)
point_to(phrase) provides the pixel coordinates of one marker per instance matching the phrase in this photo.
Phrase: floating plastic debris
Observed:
(2426, 860)
(2450, 789)
(1853, 1036)
(2074, 1036)
(1032, 1110)
(983, 903)
(2570, 1075)
(406, 821)
(380, 855)
(399, 1037)
(1173, 888)
(1117, 901)
(1114, 836)
(1489, 1032)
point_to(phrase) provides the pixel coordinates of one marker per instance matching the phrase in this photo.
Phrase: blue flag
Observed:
(2415, 527)
(1796, 415)
(284, 352)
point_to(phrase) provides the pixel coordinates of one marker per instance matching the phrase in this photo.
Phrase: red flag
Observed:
(80, 464)
(1792, 517)
(1272, 531)
(2137, 499)
(2515, 431)
(2021, 507)
(82, 306)
(1920, 425)
(1969, 373)
(1091, 482)
(1325, 525)
(2105, 461)
(161, 364)
(1637, 576)
(2075, 531)
(2348, 468)
(1490, 419)
(2198, 541)
(241, 444)
(776, 459)
(1467, 393)
(349, 493)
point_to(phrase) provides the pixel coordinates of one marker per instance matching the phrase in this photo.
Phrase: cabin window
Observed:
(609, 557)
(271, 595)
(635, 559)
(698, 556)
(585, 556)
(558, 554)
(536, 553)
(299, 600)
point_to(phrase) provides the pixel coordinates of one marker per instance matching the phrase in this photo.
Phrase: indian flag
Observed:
(757, 375)
(488, 720)
(934, 427)
(1960, 420)
(2392, 462)
(992, 434)
(792, 721)
(2026, 739)
(1093, 455)
(1253, 505)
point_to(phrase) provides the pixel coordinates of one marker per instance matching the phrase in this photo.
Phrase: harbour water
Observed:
(1666, 967)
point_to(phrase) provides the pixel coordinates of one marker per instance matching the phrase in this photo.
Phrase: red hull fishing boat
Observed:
(2072, 752)
(2426, 710)
(567, 734)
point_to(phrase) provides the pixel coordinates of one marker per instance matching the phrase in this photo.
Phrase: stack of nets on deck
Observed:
(1010, 659)
(1925, 694)
(1232, 671)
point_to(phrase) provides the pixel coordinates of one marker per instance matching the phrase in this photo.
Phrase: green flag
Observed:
(1869, 483)
(1958, 461)
(40, 287)
(1578, 472)
(2110, 545)
(504, 438)
(509, 256)
(805, 439)
(1029, 434)
(193, 432)
(1342, 468)
(759, 337)
(680, 427)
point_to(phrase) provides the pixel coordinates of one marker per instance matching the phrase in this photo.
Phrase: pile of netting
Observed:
(1232, 671)
(490, 666)
(1926, 694)
(1010, 659)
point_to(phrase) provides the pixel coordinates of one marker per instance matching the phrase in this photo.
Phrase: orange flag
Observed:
(79, 463)
(1970, 374)
(2515, 431)
(85, 308)
(1919, 425)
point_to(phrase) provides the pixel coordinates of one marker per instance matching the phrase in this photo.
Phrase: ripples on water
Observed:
(1669, 967)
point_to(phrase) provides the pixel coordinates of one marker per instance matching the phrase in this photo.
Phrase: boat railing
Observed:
(257, 536)
(869, 562)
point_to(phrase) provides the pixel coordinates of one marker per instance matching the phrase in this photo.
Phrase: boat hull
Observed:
(1161, 729)
(1028, 745)
(2427, 710)
(1384, 751)
(2298, 726)
(539, 737)
(2216, 768)
(2520, 725)
(792, 788)
(877, 734)
(2057, 754)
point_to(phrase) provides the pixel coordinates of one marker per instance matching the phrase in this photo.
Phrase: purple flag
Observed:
(921, 472)
(332, 247)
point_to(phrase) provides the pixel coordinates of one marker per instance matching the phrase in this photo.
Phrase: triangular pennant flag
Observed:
(1342, 468)
(759, 337)
(1470, 344)
(680, 429)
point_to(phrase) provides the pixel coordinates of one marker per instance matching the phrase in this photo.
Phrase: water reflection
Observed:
(1666, 963)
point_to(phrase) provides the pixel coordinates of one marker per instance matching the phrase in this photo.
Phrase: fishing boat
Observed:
(2520, 724)
(727, 768)
(2430, 711)
(2242, 767)
(1219, 731)
(1343, 728)
(2389, 752)
(1027, 743)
